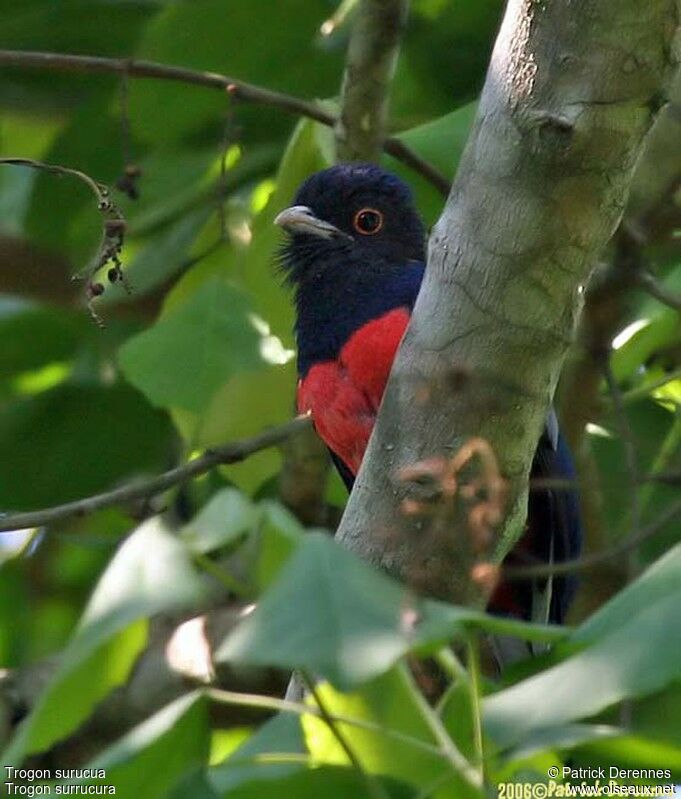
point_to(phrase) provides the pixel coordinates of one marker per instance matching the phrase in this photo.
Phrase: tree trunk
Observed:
(572, 89)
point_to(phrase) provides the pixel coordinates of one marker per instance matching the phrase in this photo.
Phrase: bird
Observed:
(354, 256)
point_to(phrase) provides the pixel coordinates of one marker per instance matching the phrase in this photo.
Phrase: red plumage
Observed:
(344, 395)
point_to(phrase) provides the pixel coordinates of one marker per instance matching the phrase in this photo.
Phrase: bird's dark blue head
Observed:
(354, 215)
(355, 251)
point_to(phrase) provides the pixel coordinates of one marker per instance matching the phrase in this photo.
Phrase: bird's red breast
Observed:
(344, 394)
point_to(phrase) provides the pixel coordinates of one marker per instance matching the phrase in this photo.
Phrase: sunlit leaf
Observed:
(187, 355)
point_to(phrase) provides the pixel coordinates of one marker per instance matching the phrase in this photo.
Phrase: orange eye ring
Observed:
(368, 221)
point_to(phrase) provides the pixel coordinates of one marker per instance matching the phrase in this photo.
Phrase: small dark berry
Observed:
(113, 274)
(96, 289)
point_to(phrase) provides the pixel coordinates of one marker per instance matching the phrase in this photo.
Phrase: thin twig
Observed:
(374, 787)
(456, 759)
(595, 559)
(474, 691)
(240, 90)
(452, 666)
(233, 452)
(640, 392)
(113, 227)
(658, 290)
(228, 580)
(301, 709)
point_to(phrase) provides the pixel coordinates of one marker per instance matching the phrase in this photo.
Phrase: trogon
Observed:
(355, 257)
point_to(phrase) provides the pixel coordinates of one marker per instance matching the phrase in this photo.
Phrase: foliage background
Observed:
(201, 353)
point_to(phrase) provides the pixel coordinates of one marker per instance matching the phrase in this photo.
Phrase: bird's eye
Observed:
(368, 221)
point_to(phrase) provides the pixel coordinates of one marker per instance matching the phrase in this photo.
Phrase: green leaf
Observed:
(90, 668)
(187, 355)
(652, 335)
(33, 336)
(633, 649)
(440, 142)
(309, 150)
(228, 515)
(81, 439)
(388, 702)
(279, 534)
(243, 406)
(153, 756)
(632, 751)
(331, 781)
(279, 736)
(150, 572)
(330, 613)
(210, 35)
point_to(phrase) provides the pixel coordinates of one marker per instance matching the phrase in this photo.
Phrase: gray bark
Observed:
(369, 69)
(572, 89)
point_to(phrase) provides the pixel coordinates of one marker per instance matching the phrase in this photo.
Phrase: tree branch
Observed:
(658, 290)
(541, 186)
(369, 68)
(631, 542)
(227, 453)
(238, 89)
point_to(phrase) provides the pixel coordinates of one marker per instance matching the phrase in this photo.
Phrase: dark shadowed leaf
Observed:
(79, 440)
(153, 756)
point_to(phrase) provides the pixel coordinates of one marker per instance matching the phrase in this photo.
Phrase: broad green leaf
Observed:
(187, 355)
(91, 666)
(565, 738)
(210, 35)
(440, 142)
(150, 572)
(331, 781)
(152, 757)
(389, 702)
(279, 739)
(158, 259)
(657, 584)
(79, 439)
(243, 406)
(279, 534)
(652, 334)
(228, 515)
(633, 649)
(33, 336)
(631, 751)
(332, 614)
(309, 150)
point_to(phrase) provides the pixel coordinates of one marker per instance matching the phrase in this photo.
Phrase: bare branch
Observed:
(369, 69)
(233, 452)
(238, 89)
